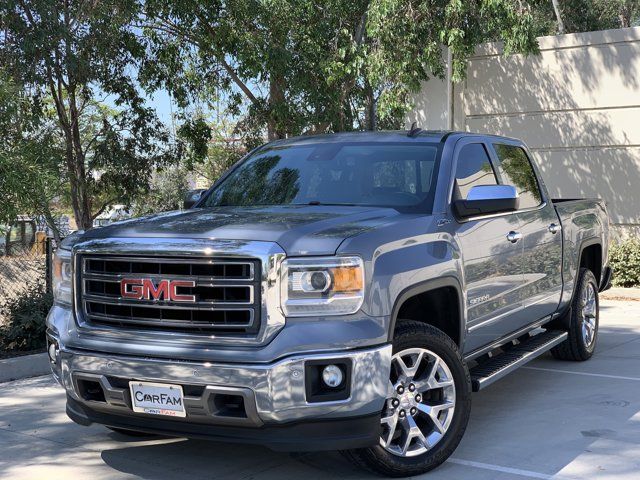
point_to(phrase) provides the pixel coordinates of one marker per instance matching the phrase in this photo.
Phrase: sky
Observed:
(161, 101)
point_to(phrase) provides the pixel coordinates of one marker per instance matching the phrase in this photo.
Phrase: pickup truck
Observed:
(335, 292)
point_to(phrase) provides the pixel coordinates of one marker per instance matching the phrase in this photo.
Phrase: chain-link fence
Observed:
(24, 268)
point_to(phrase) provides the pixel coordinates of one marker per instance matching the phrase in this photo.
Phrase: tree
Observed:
(31, 177)
(407, 37)
(228, 144)
(271, 57)
(73, 53)
(304, 66)
(626, 13)
(556, 10)
(167, 191)
(572, 16)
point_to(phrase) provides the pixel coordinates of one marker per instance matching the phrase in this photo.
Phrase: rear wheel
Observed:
(584, 320)
(428, 405)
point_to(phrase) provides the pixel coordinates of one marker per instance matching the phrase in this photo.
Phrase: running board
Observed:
(497, 367)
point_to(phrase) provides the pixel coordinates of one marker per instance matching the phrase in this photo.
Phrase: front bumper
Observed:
(274, 397)
(311, 435)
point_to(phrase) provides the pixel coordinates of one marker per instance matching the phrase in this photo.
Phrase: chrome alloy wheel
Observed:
(589, 311)
(421, 405)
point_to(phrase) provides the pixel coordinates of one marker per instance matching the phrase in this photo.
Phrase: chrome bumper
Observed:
(272, 393)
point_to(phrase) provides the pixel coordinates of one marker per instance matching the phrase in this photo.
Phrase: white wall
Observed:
(576, 105)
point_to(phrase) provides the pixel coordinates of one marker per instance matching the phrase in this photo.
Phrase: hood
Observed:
(298, 229)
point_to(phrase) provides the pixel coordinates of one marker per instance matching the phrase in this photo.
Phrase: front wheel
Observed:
(428, 405)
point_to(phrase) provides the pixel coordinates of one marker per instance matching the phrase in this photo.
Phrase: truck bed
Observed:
(584, 222)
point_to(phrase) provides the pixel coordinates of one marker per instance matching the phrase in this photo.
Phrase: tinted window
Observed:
(516, 170)
(28, 232)
(472, 169)
(15, 234)
(392, 175)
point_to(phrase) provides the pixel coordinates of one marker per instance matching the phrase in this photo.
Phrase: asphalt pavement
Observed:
(549, 420)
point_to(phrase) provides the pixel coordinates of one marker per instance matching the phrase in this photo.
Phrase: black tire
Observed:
(131, 433)
(412, 334)
(575, 348)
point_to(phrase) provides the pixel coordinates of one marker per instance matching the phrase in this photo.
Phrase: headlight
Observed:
(62, 276)
(322, 286)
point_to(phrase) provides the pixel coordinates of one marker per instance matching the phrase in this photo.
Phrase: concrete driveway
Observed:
(549, 420)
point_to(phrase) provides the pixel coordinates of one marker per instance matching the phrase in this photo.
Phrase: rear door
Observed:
(492, 264)
(541, 236)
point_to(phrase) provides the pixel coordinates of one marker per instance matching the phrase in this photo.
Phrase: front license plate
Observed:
(157, 399)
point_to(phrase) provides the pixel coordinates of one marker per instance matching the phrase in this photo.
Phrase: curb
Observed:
(624, 294)
(24, 367)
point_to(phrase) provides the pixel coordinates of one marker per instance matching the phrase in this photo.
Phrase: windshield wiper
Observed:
(317, 202)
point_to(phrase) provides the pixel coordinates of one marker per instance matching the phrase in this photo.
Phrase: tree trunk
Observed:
(556, 9)
(84, 219)
(370, 108)
(625, 18)
(275, 122)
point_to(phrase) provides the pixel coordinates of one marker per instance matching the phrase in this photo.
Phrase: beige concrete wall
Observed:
(576, 105)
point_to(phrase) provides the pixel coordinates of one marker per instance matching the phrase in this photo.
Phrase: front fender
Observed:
(401, 258)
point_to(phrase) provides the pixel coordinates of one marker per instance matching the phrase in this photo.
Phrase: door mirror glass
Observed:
(487, 199)
(192, 197)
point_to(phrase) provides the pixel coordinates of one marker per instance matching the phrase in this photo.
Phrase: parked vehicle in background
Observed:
(338, 292)
(18, 237)
(62, 223)
(111, 215)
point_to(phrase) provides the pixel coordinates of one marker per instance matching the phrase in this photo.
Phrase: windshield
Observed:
(381, 174)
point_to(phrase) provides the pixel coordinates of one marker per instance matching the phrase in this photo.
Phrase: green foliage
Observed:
(198, 132)
(624, 258)
(25, 327)
(227, 145)
(617, 13)
(396, 63)
(587, 15)
(69, 56)
(31, 158)
(303, 66)
(167, 191)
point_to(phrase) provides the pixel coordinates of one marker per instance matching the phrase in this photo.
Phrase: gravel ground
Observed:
(18, 274)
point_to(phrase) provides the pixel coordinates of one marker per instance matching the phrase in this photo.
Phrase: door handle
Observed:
(513, 237)
(553, 228)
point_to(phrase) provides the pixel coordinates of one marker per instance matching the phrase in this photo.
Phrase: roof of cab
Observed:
(424, 136)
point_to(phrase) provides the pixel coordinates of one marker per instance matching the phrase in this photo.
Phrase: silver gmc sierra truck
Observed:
(334, 292)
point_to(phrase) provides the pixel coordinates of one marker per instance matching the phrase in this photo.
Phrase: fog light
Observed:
(53, 352)
(332, 376)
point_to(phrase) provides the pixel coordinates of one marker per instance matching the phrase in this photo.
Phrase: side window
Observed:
(516, 170)
(15, 234)
(28, 232)
(472, 169)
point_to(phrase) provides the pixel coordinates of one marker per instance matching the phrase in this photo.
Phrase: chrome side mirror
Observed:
(487, 199)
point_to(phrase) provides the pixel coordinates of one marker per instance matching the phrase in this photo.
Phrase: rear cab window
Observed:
(516, 170)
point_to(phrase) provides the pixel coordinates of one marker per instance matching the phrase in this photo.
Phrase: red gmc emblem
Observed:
(147, 289)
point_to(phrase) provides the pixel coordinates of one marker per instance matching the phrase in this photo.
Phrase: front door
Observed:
(492, 265)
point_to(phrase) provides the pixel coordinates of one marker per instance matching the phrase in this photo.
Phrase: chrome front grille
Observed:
(223, 295)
